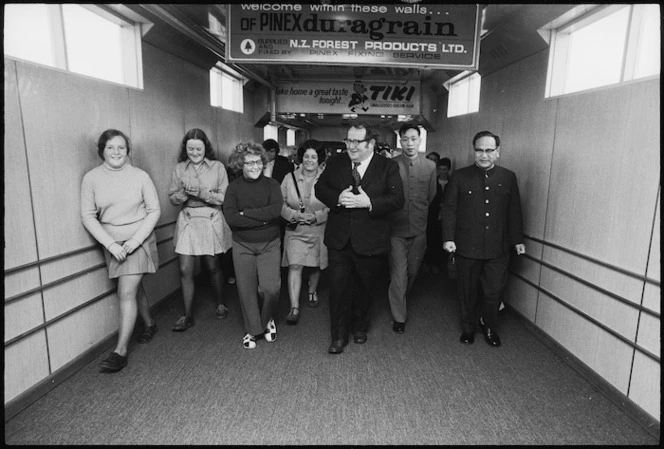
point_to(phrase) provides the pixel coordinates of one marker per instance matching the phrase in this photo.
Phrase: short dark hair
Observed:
(370, 132)
(108, 135)
(313, 144)
(446, 162)
(481, 134)
(434, 155)
(271, 144)
(406, 126)
(195, 134)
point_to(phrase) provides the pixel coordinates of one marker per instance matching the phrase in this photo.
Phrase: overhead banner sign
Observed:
(436, 36)
(348, 97)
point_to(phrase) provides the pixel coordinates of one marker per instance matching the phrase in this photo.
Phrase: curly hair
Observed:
(315, 145)
(108, 135)
(195, 134)
(243, 149)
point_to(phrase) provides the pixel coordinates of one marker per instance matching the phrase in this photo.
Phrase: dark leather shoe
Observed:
(337, 346)
(398, 327)
(360, 338)
(467, 338)
(491, 337)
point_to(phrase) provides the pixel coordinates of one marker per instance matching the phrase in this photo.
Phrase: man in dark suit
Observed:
(277, 167)
(481, 223)
(361, 189)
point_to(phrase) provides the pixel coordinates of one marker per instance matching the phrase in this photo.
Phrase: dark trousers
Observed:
(479, 275)
(353, 280)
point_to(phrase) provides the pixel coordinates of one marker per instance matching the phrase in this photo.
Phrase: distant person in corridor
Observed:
(361, 188)
(120, 208)
(408, 225)
(482, 222)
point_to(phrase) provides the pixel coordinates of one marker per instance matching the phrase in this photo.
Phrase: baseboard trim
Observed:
(25, 399)
(634, 411)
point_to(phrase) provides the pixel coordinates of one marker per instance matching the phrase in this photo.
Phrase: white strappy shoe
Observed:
(249, 341)
(271, 331)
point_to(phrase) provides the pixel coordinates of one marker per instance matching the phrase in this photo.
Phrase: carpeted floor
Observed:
(420, 388)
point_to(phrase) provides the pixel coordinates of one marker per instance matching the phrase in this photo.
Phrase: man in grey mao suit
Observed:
(481, 223)
(361, 188)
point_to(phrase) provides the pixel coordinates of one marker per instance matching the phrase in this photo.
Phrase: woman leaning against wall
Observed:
(120, 208)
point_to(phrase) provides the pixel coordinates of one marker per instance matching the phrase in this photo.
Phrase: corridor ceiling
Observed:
(509, 34)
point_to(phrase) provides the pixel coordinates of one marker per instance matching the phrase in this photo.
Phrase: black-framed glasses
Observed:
(253, 163)
(488, 151)
(354, 142)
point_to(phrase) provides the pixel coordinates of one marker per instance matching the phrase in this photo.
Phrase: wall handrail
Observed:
(71, 311)
(64, 279)
(40, 262)
(591, 319)
(597, 261)
(596, 287)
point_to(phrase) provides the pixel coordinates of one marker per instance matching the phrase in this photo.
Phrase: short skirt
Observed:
(145, 259)
(201, 231)
(305, 247)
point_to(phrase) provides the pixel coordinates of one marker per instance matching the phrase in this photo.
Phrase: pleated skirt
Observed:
(202, 231)
(145, 259)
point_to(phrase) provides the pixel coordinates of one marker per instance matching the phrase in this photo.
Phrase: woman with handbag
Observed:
(306, 217)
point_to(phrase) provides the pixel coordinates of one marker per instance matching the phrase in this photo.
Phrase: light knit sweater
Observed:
(119, 204)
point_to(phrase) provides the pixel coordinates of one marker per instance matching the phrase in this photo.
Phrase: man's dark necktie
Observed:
(356, 177)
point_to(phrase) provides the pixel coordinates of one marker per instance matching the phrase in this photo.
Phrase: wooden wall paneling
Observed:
(652, 297)
(649, 334)
(602, 352)
(71, 336)
(493, 105)
(527, 139)
(157, 122)
(605, 173)
(645, 388)
(20, 281)
(457, 141)
(198, 113)
(19, 230)
(63, 267)
(612, 313)
(64, 297)
(523, 297)
(607, 278)
(23, 315)
(232, 128)
(62, 147)
(654, 270)
(26, 363)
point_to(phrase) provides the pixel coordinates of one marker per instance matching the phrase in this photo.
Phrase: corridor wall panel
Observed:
(197, 93)
(606, 174)
(23, 315)
(522, 297)
(614, 314)
(62, 147)
(68, 295)
(20, 281)
(21, 247)
(26, 363)
(71, 336)
(527, 139)
(594, 346)
(70, 265)
(649, 333)
(157, 122)
(645, 388)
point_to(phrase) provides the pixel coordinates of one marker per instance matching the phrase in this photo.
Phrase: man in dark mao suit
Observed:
(481, 223)
(361, 188)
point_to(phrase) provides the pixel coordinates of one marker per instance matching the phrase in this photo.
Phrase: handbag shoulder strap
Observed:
(297, 189)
